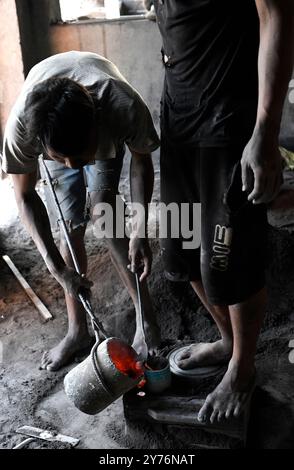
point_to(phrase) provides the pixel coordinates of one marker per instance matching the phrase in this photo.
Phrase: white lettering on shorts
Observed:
(221, 248)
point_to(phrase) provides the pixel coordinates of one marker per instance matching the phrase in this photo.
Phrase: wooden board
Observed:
(28, 290)
(175, 411)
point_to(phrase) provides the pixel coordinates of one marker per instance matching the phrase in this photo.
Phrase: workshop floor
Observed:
(30, 396)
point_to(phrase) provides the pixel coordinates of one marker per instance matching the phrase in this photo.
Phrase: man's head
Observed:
(61, 114)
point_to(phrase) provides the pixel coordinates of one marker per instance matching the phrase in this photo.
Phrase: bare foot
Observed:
(230, 396)
(152, 337)
(205, 354)
(65, 351)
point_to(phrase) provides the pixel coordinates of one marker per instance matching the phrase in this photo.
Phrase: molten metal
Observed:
(125, 359)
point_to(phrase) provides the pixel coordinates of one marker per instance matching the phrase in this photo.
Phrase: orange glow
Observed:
(125, 359)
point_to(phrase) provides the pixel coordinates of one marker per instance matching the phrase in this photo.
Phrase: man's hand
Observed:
(72, 282)
(261, 162)
(261, 168)
(140, 256)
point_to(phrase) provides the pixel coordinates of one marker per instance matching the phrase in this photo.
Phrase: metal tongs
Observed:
(96, 324)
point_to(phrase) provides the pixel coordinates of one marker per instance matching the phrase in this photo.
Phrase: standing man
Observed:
(79, 111)
(227, 64)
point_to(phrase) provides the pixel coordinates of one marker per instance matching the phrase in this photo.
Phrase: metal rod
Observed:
(144, 347)
(96, 324)
(140, 303)
(61, 218)
(24, 443)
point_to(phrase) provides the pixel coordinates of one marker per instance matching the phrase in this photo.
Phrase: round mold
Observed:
(197, 373)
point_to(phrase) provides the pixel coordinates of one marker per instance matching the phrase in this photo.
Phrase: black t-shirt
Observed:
(210, 51)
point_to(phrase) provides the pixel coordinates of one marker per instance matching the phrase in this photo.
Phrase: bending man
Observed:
(79, 111)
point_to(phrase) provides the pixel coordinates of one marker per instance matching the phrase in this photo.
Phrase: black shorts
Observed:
(231, 259)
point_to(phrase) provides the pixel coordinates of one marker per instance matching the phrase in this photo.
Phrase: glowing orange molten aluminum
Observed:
(126, 360)
(111, 370)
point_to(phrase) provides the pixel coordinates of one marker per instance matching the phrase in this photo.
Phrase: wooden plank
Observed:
(235, 427)
(178, 410)
(28, 290)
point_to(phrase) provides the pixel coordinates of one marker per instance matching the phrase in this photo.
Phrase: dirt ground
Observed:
(30, 396)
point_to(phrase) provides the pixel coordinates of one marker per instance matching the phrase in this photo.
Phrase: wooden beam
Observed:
(28, 290)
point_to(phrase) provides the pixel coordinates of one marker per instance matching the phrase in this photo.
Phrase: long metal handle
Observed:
(140, 303)
(96, 324)
(144, 352)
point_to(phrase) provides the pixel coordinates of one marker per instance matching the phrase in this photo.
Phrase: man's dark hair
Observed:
(60, 112)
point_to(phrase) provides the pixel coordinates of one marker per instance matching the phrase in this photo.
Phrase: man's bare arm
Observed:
(141, 184)
(275, 63)
(261, 162)
(35, 218)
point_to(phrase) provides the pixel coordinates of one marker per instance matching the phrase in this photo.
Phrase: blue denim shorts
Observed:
(73, 187)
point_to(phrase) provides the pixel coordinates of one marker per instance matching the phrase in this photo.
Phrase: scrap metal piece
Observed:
(49, 436)
(24, 443)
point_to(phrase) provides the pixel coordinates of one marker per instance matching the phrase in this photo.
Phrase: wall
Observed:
(11, 67)
(34, 26)
(24, 41)
(134, 46)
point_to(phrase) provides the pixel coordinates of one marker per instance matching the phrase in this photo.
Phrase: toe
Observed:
(182, 360)
(237, 410)
(186, 360)
(52, 368)
(184, 355)
(213, 416)
(220, 416)
(229, 411)
(44, 360)
(183, 364)
(154, 351)
(205, 411)
(47, 363)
